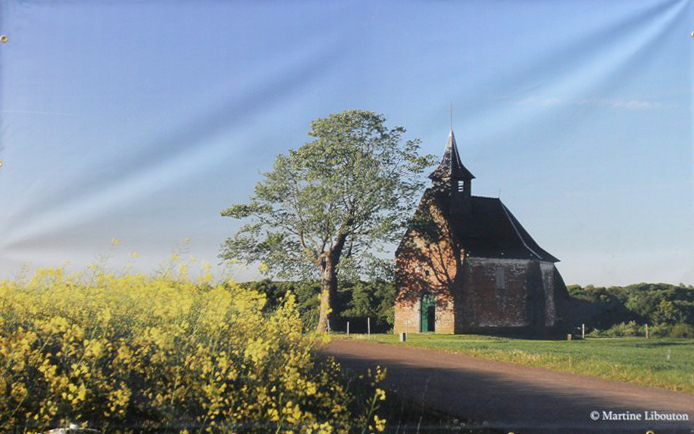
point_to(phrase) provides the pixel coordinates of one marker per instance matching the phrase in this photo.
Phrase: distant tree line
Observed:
(624, 310)
(358, 300)
(628, 307)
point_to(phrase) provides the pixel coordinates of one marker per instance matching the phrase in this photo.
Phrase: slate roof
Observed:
(491, 231)
(451, 167)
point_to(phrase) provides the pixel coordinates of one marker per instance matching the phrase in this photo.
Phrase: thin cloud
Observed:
(36, 112)
(611, 103)
(623, 104)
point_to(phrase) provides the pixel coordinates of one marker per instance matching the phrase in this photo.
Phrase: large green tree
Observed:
(335, 198)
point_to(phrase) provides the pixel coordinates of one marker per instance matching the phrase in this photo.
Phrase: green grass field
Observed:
(664, 363)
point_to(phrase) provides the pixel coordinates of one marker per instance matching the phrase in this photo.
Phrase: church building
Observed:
(466, 265)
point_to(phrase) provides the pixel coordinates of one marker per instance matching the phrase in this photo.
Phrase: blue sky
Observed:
(142, 120)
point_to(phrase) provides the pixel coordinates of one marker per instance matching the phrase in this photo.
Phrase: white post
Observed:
(368, 325)
(347, 328)
(583, 331)
(647, 336)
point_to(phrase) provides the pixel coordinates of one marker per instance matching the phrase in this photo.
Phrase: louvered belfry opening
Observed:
(454, 178)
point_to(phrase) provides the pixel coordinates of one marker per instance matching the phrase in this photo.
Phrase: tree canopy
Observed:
(335, 198)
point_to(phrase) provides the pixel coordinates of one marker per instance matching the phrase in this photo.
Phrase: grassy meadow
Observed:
(658, 362)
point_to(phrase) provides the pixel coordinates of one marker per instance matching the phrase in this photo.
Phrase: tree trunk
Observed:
(328, 285)
(328, 296)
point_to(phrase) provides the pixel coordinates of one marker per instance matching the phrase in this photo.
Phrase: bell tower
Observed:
(453, 179)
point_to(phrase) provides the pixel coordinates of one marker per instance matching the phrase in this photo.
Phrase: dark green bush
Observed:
(682, 331)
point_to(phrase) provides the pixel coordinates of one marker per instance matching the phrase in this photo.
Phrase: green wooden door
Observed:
(428, 314)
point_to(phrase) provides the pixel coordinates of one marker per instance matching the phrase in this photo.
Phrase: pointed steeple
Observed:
(451, 168)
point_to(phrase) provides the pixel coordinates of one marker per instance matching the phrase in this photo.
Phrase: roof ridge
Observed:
(518, 232)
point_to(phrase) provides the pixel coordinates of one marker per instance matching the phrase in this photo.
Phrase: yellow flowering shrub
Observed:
(136, 354)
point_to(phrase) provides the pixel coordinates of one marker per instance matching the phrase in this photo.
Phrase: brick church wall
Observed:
(490, 300)
(434, 275)
(424, 265)
(481, 293)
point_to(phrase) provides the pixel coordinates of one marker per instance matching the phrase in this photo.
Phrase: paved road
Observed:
(515, 398)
